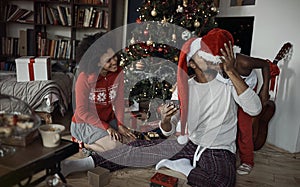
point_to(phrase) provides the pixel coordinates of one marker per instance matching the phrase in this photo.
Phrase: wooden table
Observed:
(29, 160)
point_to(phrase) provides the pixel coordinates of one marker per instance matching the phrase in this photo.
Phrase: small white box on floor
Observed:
(29, 68)
(98, 177)
(42, 68)
(24, 68)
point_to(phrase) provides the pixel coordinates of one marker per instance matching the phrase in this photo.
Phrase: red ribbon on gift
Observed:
(30, 68)
(274, 72)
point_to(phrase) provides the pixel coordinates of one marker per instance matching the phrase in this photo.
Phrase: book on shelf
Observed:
(92, 18)
(62, 15)
(55, 16)
(68, 15)
(30, 42)
(10, 9)
(49, 16)
(41, 43)
(106, 20)
(94, 2)
(23, 42)
(10, 46)
(16, 14)
(8, 65)
(15, 47)
(86, 20)
(27, 17)
(80, 17)
(55, 46)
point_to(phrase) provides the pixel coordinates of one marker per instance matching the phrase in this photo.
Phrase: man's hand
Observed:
(167, 111)
(229, 59)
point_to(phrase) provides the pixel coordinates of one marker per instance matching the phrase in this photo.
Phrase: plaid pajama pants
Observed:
(215, 168)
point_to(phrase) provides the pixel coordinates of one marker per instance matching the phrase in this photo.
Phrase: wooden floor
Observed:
(273, 167)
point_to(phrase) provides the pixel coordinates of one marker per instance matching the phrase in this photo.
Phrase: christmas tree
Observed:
(152, 51)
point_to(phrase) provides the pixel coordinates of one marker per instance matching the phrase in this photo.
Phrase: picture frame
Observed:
(242, 2)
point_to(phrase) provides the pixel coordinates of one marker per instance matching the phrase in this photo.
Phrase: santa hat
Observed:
(208, 47)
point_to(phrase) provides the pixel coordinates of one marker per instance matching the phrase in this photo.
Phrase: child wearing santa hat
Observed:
(208, 111)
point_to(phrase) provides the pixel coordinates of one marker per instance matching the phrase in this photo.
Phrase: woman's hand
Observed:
(123, 130)
(115, 135)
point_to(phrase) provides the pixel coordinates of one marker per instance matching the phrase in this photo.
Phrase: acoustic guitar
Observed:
(260, 123)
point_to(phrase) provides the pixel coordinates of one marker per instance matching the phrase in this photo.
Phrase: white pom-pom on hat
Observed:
(182, 139)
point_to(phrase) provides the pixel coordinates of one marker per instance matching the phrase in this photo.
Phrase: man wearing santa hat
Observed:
(208, 111)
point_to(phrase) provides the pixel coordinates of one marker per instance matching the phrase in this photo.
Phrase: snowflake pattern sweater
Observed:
(99, 99)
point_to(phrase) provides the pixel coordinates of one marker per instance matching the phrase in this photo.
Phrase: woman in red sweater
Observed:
(99, 90)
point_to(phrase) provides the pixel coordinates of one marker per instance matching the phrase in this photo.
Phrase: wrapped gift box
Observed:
(162, 180)
(23, 66)
(42, 68)
(33, 69)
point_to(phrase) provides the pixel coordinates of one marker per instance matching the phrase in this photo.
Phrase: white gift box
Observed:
(33, 69)
(23, 68)
(42, 68)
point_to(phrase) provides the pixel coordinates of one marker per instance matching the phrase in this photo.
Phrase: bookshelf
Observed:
(51, 28)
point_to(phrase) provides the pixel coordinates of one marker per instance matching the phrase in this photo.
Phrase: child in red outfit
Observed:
(245, 66)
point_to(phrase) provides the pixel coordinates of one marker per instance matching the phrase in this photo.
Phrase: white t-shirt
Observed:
(212, 113)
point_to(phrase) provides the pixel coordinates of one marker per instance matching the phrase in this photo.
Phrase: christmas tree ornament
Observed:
(122, 62)
(149, 42)
(132, 41)
(146, 32)
(173, 37)
(164, 22)
(186, 35)
(196, 24)
(179, 9)
(214, 9)
(185, 3)
(153, 12)
(176, 58)
(138, 20)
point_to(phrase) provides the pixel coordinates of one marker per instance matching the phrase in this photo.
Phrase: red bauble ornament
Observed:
(146, 32)
(138, 20)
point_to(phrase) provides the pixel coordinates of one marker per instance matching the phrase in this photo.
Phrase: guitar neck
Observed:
(282, 52)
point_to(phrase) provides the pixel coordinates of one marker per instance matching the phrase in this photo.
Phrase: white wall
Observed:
(275, 23)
